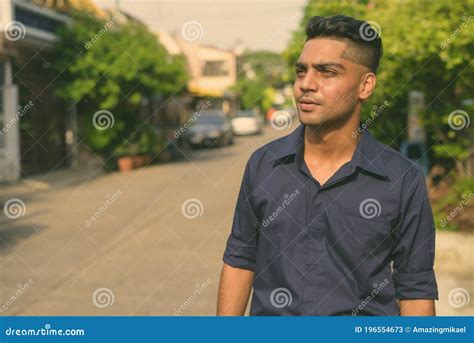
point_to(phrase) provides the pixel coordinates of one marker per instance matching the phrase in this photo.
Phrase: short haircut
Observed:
(364, 42)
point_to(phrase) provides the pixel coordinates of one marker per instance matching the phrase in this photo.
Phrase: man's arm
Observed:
(417, 307)
(414, 249)
(234, 291)
(240, 255)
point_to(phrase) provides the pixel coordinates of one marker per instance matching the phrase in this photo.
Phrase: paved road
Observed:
(120, 244)
(141, 254)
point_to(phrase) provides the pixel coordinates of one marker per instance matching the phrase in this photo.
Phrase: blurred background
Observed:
(126, 126)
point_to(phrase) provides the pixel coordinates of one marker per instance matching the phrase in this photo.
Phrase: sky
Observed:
(257, 25)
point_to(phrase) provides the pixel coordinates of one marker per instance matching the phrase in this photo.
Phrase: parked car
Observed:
(247, 123)
(210, 127)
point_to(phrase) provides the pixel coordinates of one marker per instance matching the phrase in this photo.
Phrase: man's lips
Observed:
(308, 104)
(308, 101)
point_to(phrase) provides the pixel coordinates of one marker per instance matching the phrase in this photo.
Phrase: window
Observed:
(36, 20)
(215, 68)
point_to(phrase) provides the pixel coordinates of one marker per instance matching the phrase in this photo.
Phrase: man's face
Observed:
(328, 85)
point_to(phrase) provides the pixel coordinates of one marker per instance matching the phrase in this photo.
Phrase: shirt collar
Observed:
(367, 155)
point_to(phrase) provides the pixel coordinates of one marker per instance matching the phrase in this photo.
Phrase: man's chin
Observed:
(311, 118)
(328, 121)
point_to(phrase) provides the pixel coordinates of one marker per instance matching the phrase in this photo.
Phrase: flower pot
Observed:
(125, 164)
(140, 161)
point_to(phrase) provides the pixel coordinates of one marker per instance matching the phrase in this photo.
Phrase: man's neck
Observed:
(326, 145)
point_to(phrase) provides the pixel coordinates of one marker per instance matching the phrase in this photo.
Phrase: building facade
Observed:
(32, 121)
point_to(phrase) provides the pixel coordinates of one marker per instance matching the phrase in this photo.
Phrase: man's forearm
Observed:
(234, 291)
(417, 307)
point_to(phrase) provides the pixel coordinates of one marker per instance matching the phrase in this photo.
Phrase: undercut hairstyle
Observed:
(364, 45)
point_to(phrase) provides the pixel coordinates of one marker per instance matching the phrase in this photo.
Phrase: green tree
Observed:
(259, 74)
(427, 47)
(113, 65)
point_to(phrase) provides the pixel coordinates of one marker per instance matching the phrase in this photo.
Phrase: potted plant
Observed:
(135, 152)
(125, 156)
(145, 146)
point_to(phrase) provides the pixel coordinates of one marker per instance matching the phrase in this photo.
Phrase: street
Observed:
(149, 256)
(149, 242)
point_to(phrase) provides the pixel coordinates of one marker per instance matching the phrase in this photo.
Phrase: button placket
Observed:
(313, 244)
(315, 235)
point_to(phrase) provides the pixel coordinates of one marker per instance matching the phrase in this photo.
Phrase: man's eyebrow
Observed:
(320, 66)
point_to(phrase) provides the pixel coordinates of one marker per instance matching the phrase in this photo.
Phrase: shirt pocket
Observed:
(361, 243)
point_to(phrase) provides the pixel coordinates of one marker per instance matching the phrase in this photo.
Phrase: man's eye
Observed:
(300, 71)
(328, 72)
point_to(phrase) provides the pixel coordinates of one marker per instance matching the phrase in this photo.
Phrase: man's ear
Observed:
(367, 85)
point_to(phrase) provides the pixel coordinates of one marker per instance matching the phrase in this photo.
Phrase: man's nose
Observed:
(309, 83)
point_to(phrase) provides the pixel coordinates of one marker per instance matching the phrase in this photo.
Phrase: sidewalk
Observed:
(37, 185)
(47, 181)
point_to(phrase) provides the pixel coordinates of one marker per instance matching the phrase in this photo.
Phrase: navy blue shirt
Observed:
(352, 246)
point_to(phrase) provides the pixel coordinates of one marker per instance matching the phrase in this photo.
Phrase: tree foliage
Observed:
(259, 74)
(114, 65)
(427, 47)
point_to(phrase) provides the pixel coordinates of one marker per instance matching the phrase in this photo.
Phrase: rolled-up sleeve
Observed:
(241, 248)
(414, 250)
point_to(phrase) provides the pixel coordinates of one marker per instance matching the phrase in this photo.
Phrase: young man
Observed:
(328, 220)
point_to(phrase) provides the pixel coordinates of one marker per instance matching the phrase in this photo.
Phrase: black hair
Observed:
(364, 40)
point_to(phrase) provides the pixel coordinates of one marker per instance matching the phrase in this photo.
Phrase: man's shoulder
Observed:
(270, 151)
(396, 164)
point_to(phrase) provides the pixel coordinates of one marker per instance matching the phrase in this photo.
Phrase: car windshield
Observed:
(209, 120)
